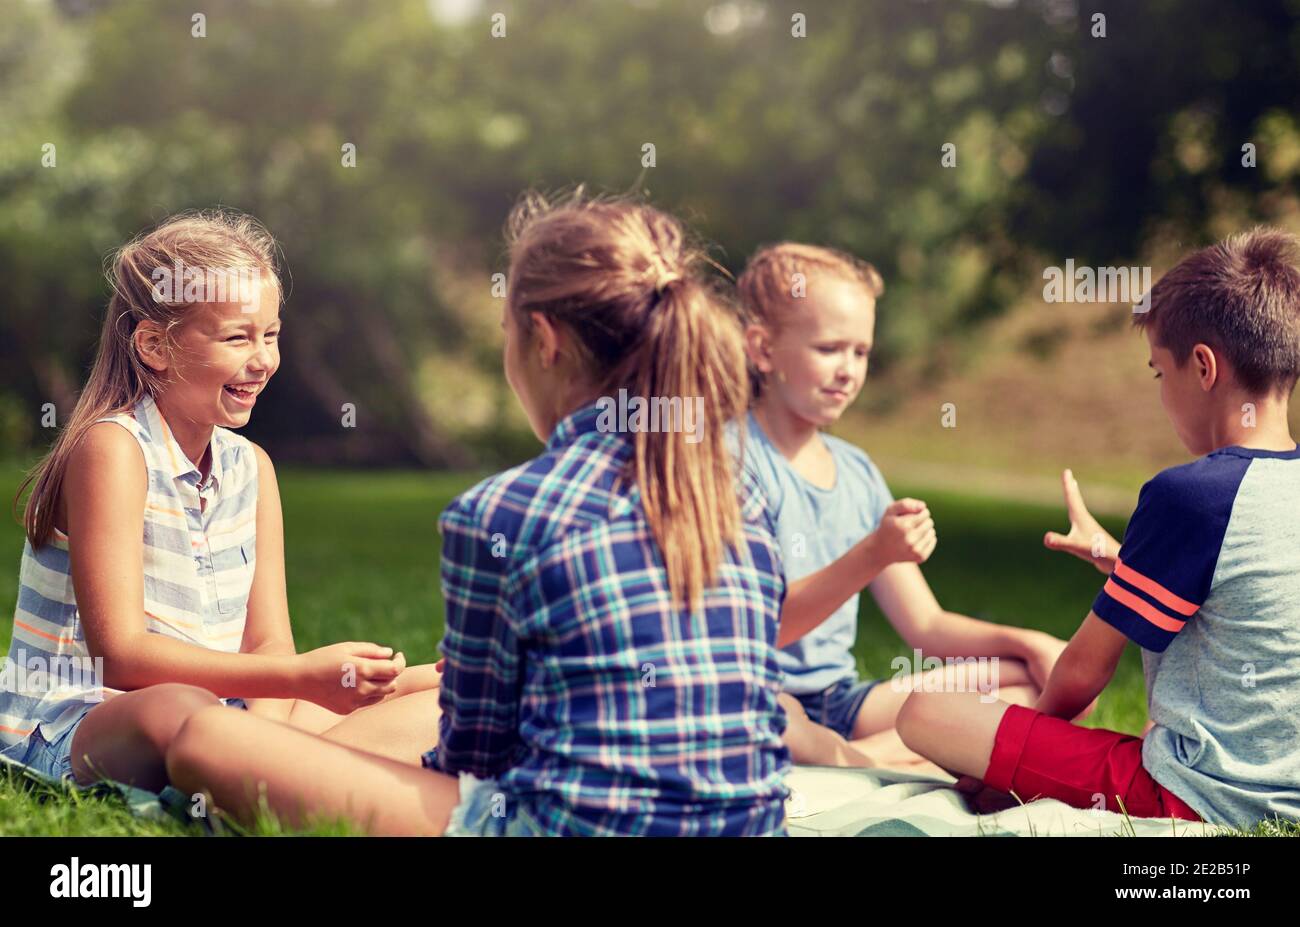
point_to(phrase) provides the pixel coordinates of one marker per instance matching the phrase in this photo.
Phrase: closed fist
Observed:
(906, 532)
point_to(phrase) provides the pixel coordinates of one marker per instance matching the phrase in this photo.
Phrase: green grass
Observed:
(362, 564)
(991, 564)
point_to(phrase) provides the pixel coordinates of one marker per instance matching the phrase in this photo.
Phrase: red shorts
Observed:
(1038, 756)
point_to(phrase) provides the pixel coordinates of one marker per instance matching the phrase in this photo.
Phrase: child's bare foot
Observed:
(813, 744)
(887, 751)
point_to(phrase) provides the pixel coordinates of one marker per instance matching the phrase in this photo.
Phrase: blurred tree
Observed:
(1062, 143)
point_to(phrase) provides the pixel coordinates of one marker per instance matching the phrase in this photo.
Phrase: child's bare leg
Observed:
(402, 729)
(1026, 695)
(887, 750)
(403, 726)
(956, 730)
(415, 679)
(1009, 682)
(813, 744)
(234, 755)
(873, 730)
(126, 736)
(316, 719)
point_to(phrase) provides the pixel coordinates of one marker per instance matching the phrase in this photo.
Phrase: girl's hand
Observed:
(345, 677)
(1087, 539)
(906, 533)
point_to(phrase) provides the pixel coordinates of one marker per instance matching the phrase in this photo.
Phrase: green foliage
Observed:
(1065, 144)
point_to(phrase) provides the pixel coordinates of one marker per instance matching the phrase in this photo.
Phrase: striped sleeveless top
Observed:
(198, 568)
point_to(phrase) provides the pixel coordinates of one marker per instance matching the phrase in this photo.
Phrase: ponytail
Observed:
(624, 280)
(689, 489)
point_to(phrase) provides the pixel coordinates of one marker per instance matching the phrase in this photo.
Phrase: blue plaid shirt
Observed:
(600, 706)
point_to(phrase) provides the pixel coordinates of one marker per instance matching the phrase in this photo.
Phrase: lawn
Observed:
(363, 552)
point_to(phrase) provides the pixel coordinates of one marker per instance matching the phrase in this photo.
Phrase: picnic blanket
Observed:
(827, 801)
(832, 802)
(167, 805)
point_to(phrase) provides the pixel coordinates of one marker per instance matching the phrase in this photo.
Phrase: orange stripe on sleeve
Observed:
(1145, 609)
(172, 622)
(37, 631)
(1154, 589)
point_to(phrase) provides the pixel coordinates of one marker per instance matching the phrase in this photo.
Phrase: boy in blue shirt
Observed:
(1207, 581)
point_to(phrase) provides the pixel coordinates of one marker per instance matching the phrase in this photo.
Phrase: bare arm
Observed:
(1083, 670)
(906, 533)
(905, 597)
(814, 598)
(105, 496)
(267, 628)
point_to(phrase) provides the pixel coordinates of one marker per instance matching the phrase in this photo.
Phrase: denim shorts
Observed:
(51, 760)
(486, 810)
(837, 707)
(54, 760)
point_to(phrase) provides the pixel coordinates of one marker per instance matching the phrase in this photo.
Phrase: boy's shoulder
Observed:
(1205, 486)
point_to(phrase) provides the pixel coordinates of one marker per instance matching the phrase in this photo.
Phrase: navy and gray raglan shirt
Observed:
(1208, 584)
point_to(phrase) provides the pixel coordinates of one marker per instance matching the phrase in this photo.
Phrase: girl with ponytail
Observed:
(612, 604)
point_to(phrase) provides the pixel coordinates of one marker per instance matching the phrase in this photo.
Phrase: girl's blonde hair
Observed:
(218, 240)
(768, 284)
(624, 280)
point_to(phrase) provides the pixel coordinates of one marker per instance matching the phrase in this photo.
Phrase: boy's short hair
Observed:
(1241, 297)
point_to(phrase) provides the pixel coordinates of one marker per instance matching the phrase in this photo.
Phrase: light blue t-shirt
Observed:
(1208, 584)
(815, 527)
